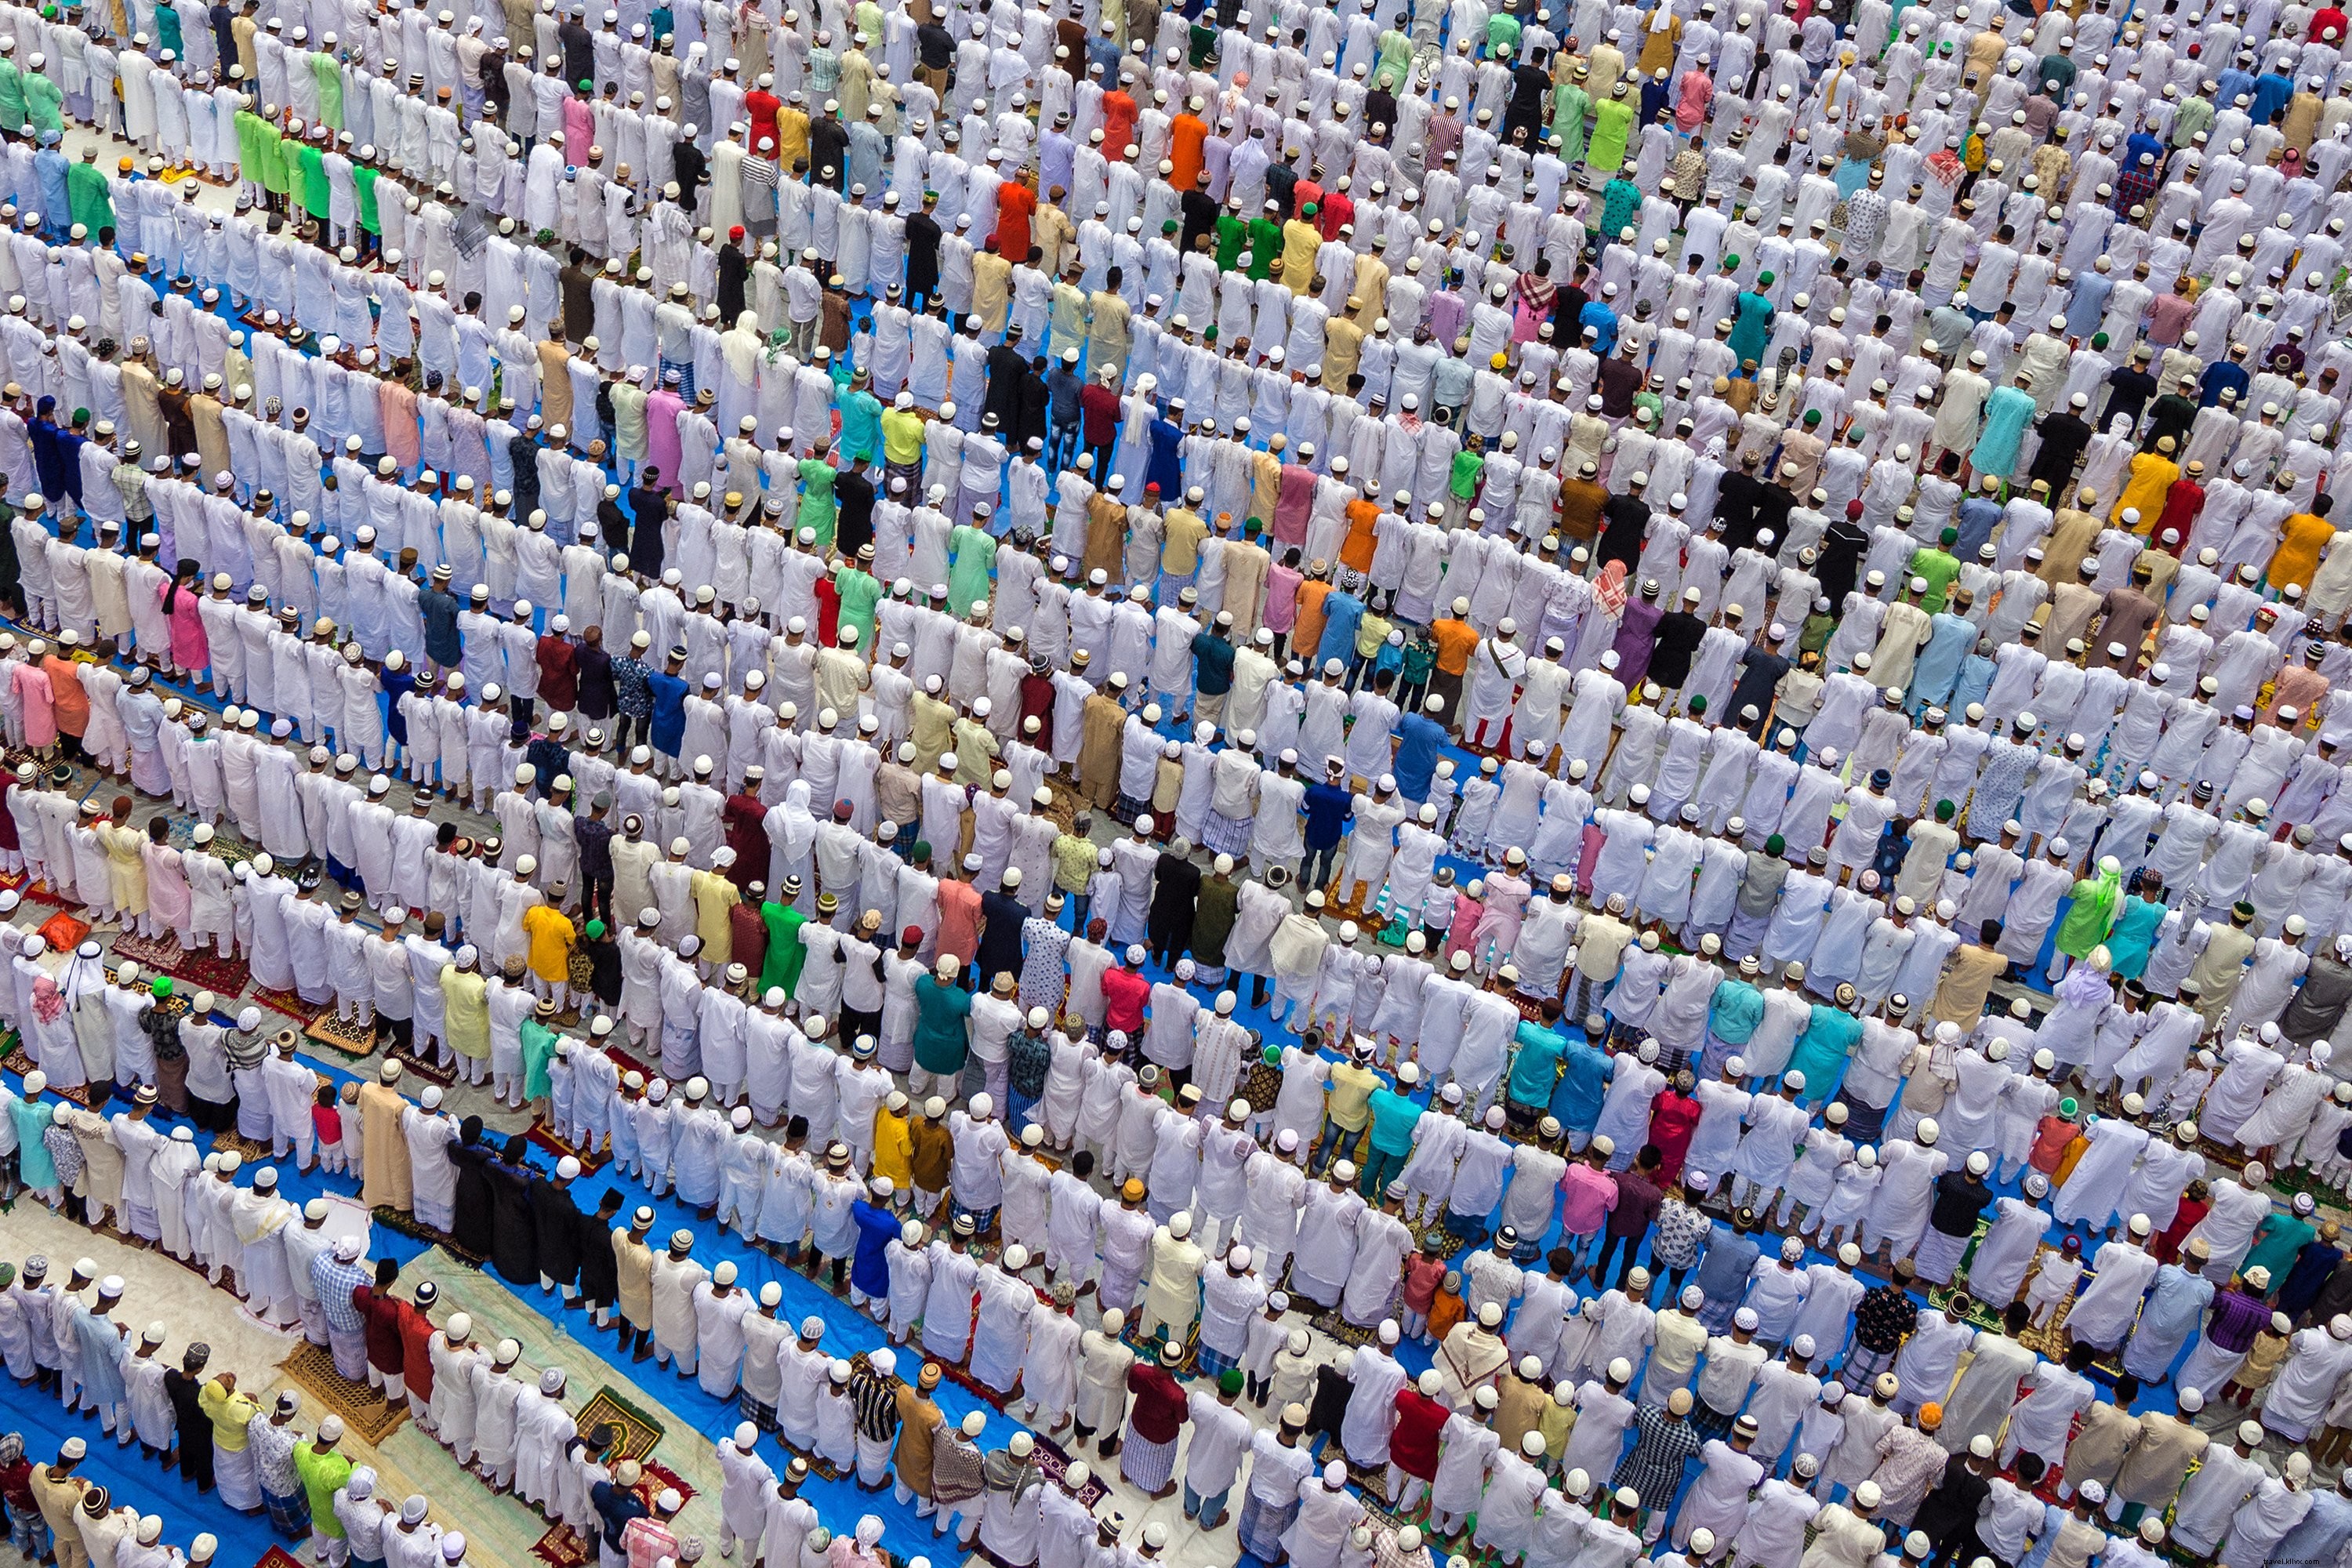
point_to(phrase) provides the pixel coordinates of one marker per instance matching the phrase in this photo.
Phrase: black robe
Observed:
(555, 1231)
(1175, 896)
(196, 1428)
(599, 1271)
(513, 1239)
(471, 1224)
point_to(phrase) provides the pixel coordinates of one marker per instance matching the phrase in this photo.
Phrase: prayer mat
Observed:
(330, 1029)
(639, 1431)
(540, 1135)
(21, 883)
(1340, 1330)
(406, 1224)
(252, 1150)
(204, 967)
(365, 1415)
(278, 1557)
(18, 1062)
(1053, 1460)
(561, 1547)
(285, 1002)
(430, 1071)
(963, 1379)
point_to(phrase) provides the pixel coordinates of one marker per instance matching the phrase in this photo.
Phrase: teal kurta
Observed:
(1751, 327)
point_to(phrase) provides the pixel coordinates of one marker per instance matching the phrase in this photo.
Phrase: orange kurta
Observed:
(1356, 550)
(71, 704)
(1186, 133)
(2301, 539)
(1015, 205)
(1307, 631)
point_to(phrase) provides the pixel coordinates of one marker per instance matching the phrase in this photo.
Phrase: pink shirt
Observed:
(1587, 1197)
(1281, 598)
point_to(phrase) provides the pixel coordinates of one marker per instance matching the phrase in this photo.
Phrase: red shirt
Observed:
(759, 107)
(1158, 1411)
(1015, 205)
(828, 613)
(1413, 1442)
(387, 1351)
(416, 1332)
(1673, 1119)
(1100, 408)
(1118, 111)
(1124, 994)
(559, 673)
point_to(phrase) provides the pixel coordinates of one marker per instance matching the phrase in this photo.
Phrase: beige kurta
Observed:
(1098, 749)
(211, 434)
(1245, 569)
(633, 1263)
(2159, 1463)
(386, 1178)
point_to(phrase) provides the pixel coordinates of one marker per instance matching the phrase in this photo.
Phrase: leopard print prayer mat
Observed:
(16, 1061)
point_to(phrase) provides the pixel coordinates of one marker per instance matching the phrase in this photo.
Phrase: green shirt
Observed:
(322, 1475)
(314, 181)
(942, 1037)
(538, 1048)
(330, 78)
(1939, 568)
(366, 178)
(785, 952)
(1467, 467)
(860, 592)
(1264, 246)
(1233, 236)
(12, 95)
(45, 103)
(817, 509)
(89, 196)
(972, 559)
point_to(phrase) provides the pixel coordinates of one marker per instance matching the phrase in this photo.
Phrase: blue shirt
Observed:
(1723, 1268)
(869, 1270)
(2221, 376)
(1577, 1101)
(1420, 739)
(668, 724)
(1328, 808)
(1603, 322)
(1342, 614)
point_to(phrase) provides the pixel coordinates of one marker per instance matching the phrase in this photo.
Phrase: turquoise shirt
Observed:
(1393, 1119)
(1821, 1055)
(1536, 1064)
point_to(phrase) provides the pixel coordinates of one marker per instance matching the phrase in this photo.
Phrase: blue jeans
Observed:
(1208, 1510)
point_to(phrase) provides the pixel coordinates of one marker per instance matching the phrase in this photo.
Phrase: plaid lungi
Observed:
(288, 1516)
(764, 1416)
(1146, 1465)
(1939, 1254)
(1261, 1524)
(1863, 1366)
(1711, 1422)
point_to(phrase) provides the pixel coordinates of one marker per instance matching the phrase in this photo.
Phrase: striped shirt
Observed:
(335, 1281)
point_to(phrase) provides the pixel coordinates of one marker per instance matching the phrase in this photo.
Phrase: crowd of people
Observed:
(1204, 705)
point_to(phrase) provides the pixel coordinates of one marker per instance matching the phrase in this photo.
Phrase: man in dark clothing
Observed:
(1000, 914)
(2065, 434)
(1737, 496)
(1065, 407)
(2172, 415)
(923, 254)
(1947, 1515)
(2129, 388)
(577, 281)
(1883, 1318)
(853, 528)
(437, 607)
(514, 1229)
(649, 506)
(829, 150)
(1623, 520)
(1175, 896)
(1673, 643)
(1329, 807)
(734, 273)
(579, 52)
(1100, 412)
(471, 1223)
(593, 668)
(1212, 669)
(556, 1229)
(1034, 423)
(1007, 366)
(1200, 212)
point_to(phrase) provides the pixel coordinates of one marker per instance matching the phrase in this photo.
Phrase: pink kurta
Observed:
(662, 410)
(1697, 91)
(39, 705)
(400, 437)
(190, 650)
(168, 897)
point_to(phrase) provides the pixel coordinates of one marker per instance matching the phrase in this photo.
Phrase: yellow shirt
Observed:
(1349, 1102)
(1180, 549)
(902, 436)
(548, 934)
(894, 1149)
(714, 900)
(228, 1413)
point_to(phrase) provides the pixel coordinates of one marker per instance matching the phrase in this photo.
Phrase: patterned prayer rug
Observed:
(539, 1134)
(252, 1150)
(430, 1071)
(639, 1431)
(561, 1547)
(368, 1417)
(352, 1038)
(278, 1557)
(16, 1061)
(204, 968)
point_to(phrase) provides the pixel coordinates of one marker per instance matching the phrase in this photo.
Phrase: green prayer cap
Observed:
(1949, 536)
(1230, 1381)
(1775, 844)
(1945, 811)
(1763, 280)
(1731, 262)
(596, 930)
(1813, 416)
(2067, 1107)
(162, 986)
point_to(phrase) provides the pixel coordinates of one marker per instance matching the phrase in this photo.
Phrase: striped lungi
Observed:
(1938, 1256)
(350, 1346)
(1261, 1524)
(1146, 1465)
